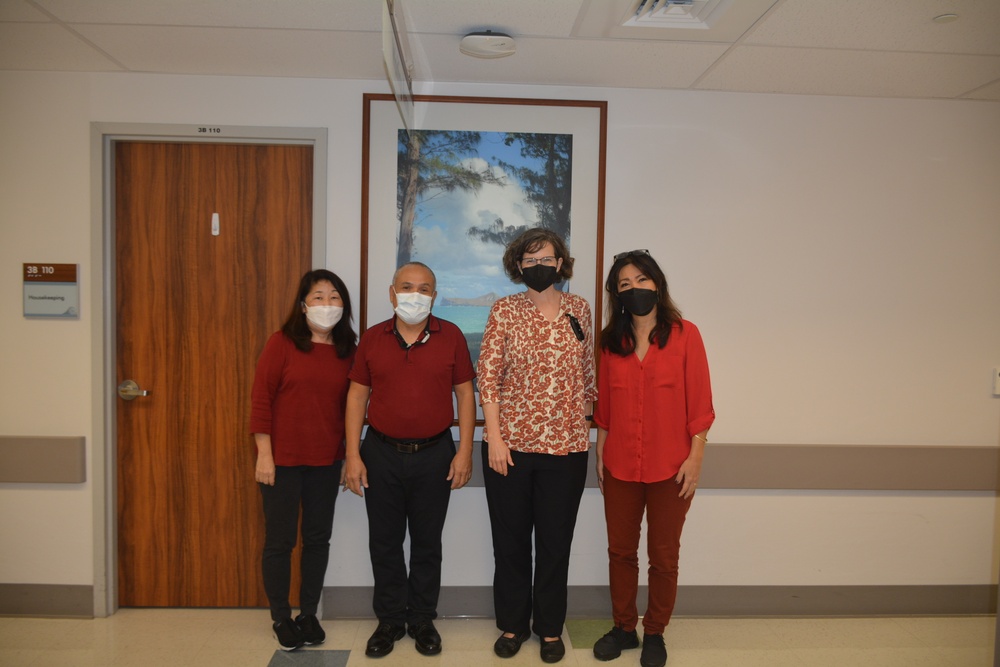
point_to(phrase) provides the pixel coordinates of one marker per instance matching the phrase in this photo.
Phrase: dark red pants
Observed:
(624, 505)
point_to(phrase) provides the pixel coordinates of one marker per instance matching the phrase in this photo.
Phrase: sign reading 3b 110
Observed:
(51, 290)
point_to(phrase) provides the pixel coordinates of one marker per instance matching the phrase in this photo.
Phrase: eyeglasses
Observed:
(533, 261)
(623, 255)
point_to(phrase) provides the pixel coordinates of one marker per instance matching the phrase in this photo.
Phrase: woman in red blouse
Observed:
(536, 384)
(297, 419)
(653, 413)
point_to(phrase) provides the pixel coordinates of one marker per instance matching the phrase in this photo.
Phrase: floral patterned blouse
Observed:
(540, 373)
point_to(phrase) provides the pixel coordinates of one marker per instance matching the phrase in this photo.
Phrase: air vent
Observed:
(695, 14)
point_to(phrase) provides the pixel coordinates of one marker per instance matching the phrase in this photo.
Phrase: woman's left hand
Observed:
(688, 476)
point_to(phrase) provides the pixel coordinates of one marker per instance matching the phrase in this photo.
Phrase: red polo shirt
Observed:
(411, 388)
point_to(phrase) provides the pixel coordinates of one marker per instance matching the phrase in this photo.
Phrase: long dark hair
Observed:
(297, 328)
(618, 336)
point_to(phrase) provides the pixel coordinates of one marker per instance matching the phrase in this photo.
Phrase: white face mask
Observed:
(413, 307)
(324, 318)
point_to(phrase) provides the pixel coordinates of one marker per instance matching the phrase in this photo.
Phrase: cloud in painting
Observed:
(465, 266)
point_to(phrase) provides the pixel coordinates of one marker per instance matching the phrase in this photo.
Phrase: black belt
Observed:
(410, 446)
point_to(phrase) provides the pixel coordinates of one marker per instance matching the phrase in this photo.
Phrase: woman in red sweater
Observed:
(654, 409)
(297, 419)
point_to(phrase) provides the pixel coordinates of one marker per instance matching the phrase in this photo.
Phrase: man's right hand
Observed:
(355, 475)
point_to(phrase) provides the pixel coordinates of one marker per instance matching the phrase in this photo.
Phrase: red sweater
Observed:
(651, 408)
(299, 399)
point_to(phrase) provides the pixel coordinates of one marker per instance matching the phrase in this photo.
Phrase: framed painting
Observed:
(471, 174)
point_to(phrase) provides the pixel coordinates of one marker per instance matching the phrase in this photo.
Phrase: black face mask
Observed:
(539, 277)
(638, 301)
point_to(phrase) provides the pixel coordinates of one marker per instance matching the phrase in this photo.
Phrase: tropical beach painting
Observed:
(462, 196)
(470, 175)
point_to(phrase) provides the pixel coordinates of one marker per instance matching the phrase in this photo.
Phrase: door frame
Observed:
(104, 404)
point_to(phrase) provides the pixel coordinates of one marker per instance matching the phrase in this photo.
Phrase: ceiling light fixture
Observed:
(487, 44)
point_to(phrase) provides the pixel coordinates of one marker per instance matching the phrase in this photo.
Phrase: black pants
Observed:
(540, 493)
(314, 488)
(406, 491)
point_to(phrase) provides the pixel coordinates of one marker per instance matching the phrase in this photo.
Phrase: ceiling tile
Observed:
(317, 14)
(519, 18)
(577, 62)
(603, 18)
(302, 53)
(18, 10)
(853, 73)
(891, 25)
(48, 46)
(988, 92)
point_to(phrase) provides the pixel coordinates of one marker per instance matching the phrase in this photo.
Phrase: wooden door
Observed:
(194, 308)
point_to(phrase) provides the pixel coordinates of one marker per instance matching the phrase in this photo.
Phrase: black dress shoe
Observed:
(426, 637)
(383, 639)
(507, 647)
(553, 651)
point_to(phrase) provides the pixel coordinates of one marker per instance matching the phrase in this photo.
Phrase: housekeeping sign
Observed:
(51, 290)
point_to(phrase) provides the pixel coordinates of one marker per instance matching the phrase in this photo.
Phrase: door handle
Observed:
(130, 391)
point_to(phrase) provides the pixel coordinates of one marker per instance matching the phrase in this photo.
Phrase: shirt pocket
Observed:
(668, 373)
(619, 377)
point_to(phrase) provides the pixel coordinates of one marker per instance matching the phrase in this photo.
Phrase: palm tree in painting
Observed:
(431, 162)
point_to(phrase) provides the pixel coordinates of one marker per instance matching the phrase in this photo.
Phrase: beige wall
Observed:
(839, 256)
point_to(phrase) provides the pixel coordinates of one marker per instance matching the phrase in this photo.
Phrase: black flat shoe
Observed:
(553, 651)
(426, 636)
(507, 647)
(383, 639)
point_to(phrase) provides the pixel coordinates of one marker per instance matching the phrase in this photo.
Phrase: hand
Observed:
(355, 475)
(499, 455)
(600, 473)
(688, 476)
(461, 469)
(264, 471)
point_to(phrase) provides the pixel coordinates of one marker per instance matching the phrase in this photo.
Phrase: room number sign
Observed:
(51, 290)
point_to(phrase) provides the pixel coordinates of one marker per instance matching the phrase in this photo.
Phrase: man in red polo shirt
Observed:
(405, 370)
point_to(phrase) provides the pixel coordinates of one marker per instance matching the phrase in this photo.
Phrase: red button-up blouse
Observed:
(651, 408)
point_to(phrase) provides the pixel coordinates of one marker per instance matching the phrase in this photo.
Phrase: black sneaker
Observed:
(312, 631)
(611, 645)
(654, 653)
(288, 635)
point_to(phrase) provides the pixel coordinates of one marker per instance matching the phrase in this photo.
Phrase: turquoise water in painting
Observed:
(470, 319)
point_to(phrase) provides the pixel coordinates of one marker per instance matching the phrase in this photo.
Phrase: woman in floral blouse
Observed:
(536, 382)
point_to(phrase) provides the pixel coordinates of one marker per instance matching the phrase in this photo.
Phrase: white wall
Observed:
(839, 255)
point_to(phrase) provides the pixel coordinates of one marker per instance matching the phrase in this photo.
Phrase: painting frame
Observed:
(585, 120)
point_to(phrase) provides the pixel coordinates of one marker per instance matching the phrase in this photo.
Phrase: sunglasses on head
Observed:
(630, 253)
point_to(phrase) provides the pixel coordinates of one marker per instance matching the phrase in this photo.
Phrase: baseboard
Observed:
(715, 601)
(47, 600)
(593, 601)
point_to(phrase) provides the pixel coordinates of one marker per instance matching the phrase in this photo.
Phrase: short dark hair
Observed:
(532, 240)
(297, 328)
(618, 336)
